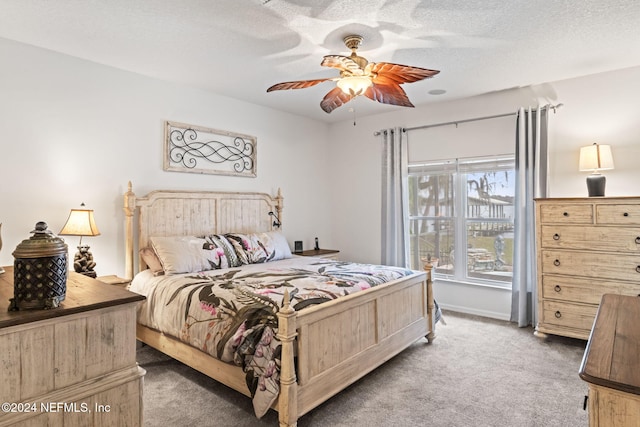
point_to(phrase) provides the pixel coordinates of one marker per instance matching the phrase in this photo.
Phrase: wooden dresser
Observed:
(74, 365)
(611, 363)
(586, 247)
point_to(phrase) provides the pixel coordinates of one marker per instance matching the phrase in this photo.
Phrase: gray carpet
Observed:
(478, 372)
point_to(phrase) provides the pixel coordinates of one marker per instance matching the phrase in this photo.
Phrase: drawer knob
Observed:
(557, 288)
(638, 240)
(565, 213)
(556, 236)
(638, 269)
(625, 214)
(558, 314)
(557, 263)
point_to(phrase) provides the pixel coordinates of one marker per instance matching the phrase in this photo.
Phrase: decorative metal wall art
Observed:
(197, 149)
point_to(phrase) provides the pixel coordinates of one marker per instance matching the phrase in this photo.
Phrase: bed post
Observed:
(129, 209)
(428, 267)
(279, 205)
(288, 398)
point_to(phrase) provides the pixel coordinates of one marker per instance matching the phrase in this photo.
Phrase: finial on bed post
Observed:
(129, 209)
(288, 398)
(286, 302)
(428, 267)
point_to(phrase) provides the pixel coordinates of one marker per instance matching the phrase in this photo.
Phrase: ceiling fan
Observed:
(378, 81)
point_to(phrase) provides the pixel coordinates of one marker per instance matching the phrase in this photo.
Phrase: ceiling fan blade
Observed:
(301, 84)
(342, 63)
(391, 94)
(385, 71)
(334, 99)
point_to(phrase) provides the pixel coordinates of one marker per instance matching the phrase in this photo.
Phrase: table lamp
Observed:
(595, 158)
(81, 223)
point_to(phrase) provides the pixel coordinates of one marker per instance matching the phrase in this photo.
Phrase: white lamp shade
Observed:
(80, 223)
(354, 85)
(596, 157)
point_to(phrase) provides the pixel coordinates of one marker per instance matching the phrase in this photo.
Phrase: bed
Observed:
(322, 348)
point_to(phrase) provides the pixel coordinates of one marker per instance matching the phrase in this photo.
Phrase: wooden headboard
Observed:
(194, 213)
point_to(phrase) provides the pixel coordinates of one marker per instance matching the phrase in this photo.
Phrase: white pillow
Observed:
(183, 254)
(276, 243)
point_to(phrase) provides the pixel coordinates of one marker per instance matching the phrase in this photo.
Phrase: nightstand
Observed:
(320, 253)
(114, 280)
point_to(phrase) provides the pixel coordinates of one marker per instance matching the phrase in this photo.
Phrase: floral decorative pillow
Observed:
(247, 248)
(275, 245)
(256, 248)
(223, 253)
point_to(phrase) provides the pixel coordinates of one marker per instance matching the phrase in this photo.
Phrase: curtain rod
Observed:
(475, 119)
(457, 122)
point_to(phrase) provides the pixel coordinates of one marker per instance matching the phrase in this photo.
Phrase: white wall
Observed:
(602, 108)
(74, 131)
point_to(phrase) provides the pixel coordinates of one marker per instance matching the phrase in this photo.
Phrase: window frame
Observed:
(458, 169)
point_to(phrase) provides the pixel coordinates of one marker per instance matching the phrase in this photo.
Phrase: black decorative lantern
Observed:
(40, 271)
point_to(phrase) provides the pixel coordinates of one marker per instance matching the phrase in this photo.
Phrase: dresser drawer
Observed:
(614, 239)
(587, 291)
(618, 214)
(566, 214)
(591, 264)
(568, 315)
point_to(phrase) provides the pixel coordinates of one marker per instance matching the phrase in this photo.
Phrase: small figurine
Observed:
(83, 262)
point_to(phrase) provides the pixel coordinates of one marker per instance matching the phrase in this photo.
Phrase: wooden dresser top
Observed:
(83, 294)
(615, 199)
(612, 356)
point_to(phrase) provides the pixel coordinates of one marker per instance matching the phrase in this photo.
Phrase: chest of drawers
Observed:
(586, 247)
(74, 365)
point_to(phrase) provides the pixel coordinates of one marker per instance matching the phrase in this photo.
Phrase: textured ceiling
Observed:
(239, 48)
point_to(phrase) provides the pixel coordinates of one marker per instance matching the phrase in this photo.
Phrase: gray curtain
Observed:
(394, 185)
(531, 182)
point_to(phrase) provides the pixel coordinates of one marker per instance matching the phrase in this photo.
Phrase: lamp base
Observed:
(83, 262)
(595, 185)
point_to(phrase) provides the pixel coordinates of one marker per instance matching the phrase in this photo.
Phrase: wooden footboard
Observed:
(341, 341)
(335, 343)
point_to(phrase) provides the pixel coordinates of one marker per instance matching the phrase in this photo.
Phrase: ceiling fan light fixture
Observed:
(354, 85)
(378, 81)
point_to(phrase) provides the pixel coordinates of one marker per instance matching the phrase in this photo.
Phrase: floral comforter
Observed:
(231, 313)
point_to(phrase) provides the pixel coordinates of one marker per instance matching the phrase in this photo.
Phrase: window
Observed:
(461, 218)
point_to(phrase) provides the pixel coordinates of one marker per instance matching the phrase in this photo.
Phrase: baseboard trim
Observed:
(475, 312)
